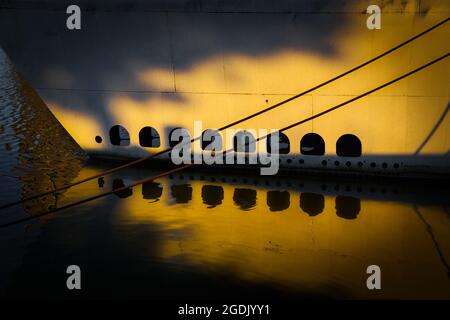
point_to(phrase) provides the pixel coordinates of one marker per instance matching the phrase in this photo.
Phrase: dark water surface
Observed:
(197, 235)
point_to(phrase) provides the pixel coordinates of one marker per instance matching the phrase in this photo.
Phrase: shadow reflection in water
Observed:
(152, 191)
(212, 195)
(347, 207)
(182, 193)
(118, 183)
(312, 203)
(278, 200)
(244, 198)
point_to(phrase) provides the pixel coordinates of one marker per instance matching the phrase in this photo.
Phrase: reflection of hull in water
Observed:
(163, 68)
(357, 221)
(279, 193)
(176, 221)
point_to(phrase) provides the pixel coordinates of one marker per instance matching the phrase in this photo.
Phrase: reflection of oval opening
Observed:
(119, 136)
(244, 198)
(181, 193)
(118, 183)
(212, 195)
(312, 144)
(283, 144)
(348, 145)
(278, 200)
(312, 203)
(151, 190)
(347, 207)
(149, 137)
(182, 132)
(244, 141)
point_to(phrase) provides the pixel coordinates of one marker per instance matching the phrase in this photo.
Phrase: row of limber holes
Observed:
(348, 145)
(337, 163)
(325, 163)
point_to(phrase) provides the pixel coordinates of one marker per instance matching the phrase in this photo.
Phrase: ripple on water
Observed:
(35, 148)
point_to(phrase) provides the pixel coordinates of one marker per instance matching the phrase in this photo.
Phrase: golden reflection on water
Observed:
(290, 234)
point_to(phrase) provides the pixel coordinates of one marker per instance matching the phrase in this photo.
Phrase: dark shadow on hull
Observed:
(433, 130)
(117, 42)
